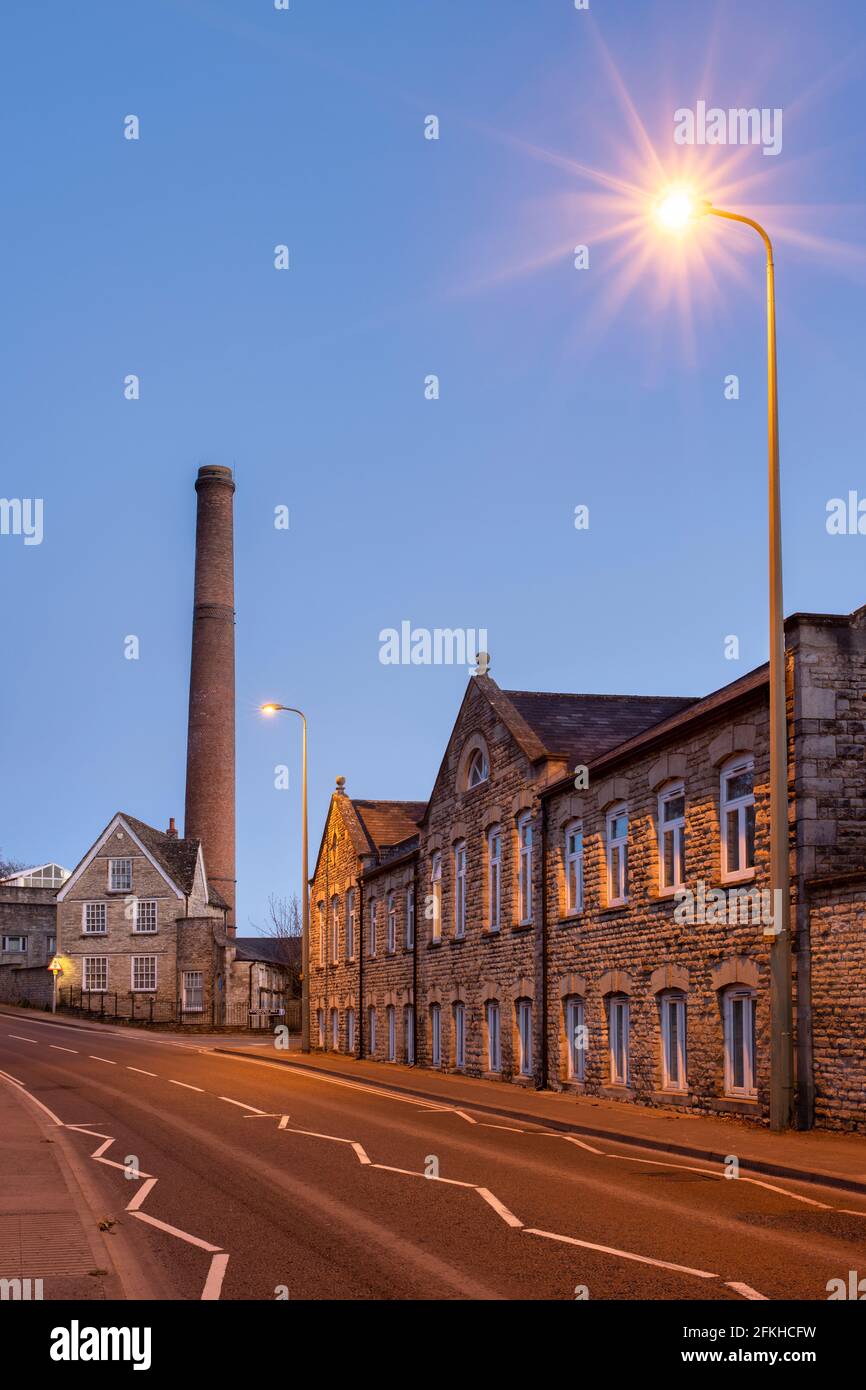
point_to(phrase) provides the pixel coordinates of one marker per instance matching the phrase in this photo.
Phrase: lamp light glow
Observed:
(268, 709)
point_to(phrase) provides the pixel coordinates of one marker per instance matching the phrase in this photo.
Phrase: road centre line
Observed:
(56, 1048)
(620, 1254)
(242, 1105)
(19, 1038)
(107, 1060)
(186, 1085)
(141, 1071)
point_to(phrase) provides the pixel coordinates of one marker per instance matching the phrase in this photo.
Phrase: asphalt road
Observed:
(274, 1182)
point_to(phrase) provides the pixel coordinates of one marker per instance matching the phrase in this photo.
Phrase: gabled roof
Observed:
(389, 823)
(176, 859)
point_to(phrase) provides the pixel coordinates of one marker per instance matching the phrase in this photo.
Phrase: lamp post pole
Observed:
(781, 1001)
(305, 889)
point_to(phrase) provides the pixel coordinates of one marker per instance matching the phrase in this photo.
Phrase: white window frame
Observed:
(409, 936)
(478, 759)
(124, 886)
(575, 1056)
(524, 867)
(391, 923)
(436, 893)
(138, 929)
(493, 1017)
(86, 969)
(494, 878)
(335, 929)
(320, 1026)
(102, 909)
(435, 1035)
(391, 1024)
(323, 930)
(460, 1035)
(747, 997)
(350, 1030)
(460, 888)
(524, 1036)
(371, 1030)
(617, 864)
(673, 1018)
(189, 990)
(18, 949)
(374, 912)
(573, 868)
(335, 1030)
(409, 1030)
(619, 1028)
(350, 924)
(143, 989)
(739, 806)
(676, 830)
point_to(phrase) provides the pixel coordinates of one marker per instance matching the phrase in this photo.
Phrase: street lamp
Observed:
(676, 211)
(305, 899)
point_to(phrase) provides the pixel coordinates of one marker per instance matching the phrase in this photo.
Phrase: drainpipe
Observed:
(359, 1012)
(415, 965)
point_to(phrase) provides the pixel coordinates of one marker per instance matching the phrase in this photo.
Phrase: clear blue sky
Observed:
(408, 257)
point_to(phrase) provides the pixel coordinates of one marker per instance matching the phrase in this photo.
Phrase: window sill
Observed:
(664, 1097)
(434, 945)
(740, 1105)
(522, 926)
(457, 940)
(615, 1090)
(571, 919)
(490, 933)
(620, 910)
(734, 880)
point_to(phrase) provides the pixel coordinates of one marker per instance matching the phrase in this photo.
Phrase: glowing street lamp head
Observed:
(678, 208)
(268, 709)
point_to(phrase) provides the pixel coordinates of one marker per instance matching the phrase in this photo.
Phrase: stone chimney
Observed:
(210, 756)
(172, 828)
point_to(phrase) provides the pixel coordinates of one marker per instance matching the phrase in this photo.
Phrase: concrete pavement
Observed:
(237, 1178)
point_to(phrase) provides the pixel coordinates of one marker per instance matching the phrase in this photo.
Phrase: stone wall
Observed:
(838, 931)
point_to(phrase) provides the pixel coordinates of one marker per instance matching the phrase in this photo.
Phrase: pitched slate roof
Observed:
(277, 950)
(389, 823)
(176, 856)
(583, 727)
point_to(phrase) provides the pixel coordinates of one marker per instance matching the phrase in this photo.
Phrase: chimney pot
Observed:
(171, 828)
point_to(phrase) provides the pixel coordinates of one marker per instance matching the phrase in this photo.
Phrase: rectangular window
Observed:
(144, 972)
(618, 1030)
(145, 915)
(524, 868)
(350, 1030)
(391, 928)
(350, 925)
(320, 916)
(335, 929)
(672, 839)
(673, 1012)
(740, 1043)
(120, 875)
(494, 1049)
(15, 943)
(192, 998)
(95, 973)
(575, 1038)
(320, 1027)
(409, 1033)
(95, 919)
(436, 1035)
(373, 915)
(494, 877)
(391, 1020)
(524, 1032)
(617, 856)
(371, 1031)
(436, 895)
(460, 1035)
(738, 819)
(460, 888)
(335, 1030)
(410, 919)
(574, 869)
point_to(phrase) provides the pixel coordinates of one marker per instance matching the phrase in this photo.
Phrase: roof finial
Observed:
(482, 664)
(341, 786)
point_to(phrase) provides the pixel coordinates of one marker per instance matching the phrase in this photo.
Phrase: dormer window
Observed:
(478, 770)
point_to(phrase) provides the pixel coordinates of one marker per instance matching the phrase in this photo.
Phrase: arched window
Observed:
(435, 1035)
(737, 803)
(459, 1035)
(618, 1038)
(494, 1040)
(574, 867)
(672, 837)
(371, 1030)
(524, 867)
(350, 1030)
(335, 929)
(410, 918)
(320, 1026)
(575, 1039)
(460, 888)
(436, 894)
(335, 1030)
(494, 877)
(350, 924)
(672, 1008)
(478, 769)
(373, 915)
(391, 928)
(739, 1016)
(617, 855)
(409, 1033)
(323, 947)
(524, 1036)
(391, 1023)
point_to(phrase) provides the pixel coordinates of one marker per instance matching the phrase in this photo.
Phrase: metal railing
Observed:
(116, 1007)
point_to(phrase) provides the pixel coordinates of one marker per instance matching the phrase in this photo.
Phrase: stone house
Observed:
(589, 900)
(262, 975)
(138, 921)
(28, 927)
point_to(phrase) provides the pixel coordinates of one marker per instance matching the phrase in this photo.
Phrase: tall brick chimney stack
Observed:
(210, 755)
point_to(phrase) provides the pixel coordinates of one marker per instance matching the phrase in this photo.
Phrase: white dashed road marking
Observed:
(108, 1060)
(141, 1071)
(242, 1105)
(621, 1254)
(746, 1290)
(18, 1038)
(186, 1085)
(56, 1048)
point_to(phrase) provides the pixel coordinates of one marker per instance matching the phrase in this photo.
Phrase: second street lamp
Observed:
(305, 891)
(676, 211)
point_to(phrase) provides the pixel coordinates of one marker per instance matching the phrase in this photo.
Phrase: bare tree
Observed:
(284, 926)
(9, 866)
